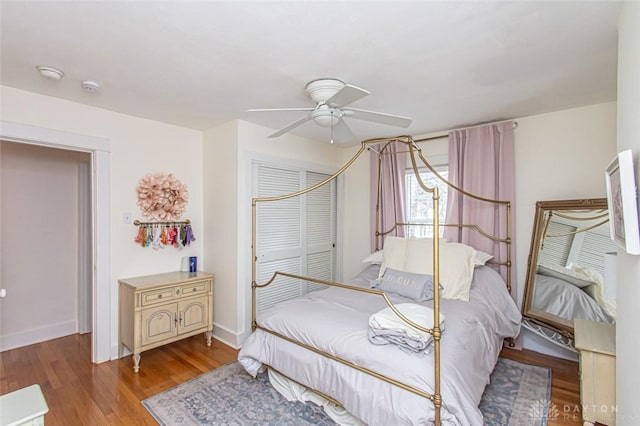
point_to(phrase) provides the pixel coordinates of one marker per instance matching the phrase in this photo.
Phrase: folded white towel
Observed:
(386, 319)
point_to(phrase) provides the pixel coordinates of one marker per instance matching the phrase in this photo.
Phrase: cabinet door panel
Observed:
(158, 324)
(193, 314)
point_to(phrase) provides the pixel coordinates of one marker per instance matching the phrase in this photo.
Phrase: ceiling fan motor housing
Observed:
(322, 89)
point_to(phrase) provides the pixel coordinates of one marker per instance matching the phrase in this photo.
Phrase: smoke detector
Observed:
(90, 86)
(50, 72)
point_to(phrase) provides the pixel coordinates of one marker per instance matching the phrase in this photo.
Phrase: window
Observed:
(420, 204)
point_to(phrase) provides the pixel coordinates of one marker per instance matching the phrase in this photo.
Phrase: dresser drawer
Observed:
(198, 287)
(157, 296)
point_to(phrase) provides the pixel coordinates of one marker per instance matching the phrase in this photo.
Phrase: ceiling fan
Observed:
(332, 97)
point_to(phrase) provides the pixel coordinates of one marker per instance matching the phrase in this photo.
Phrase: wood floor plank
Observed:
(81, 393)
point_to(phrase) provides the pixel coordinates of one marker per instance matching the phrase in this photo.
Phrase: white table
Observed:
(24, 407)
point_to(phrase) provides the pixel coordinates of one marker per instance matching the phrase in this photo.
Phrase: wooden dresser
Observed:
(596, 342)
(160, 309)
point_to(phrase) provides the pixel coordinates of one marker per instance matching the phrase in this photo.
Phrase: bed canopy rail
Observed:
(436, 331)
(379, 146)
(601, 215)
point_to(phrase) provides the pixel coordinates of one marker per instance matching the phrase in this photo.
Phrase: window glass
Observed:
(420, 203)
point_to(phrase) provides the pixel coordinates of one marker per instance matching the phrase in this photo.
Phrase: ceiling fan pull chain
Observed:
(332, 126)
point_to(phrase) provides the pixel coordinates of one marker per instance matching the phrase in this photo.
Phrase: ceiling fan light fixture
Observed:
(326, 117)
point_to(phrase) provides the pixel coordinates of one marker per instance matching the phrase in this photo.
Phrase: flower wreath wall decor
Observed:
(162, 196)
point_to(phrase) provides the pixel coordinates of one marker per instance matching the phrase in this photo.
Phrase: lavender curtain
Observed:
(392, 190)
(481, 162)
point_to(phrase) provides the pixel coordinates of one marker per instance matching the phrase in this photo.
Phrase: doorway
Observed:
(46, 243)
(102, 293)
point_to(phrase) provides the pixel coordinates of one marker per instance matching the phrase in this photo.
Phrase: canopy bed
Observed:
(410, 340)
(567, 275)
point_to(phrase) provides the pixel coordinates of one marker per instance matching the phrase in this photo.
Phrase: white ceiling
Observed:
(199, 64)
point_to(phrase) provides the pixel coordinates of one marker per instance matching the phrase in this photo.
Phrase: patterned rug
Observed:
(517, 395)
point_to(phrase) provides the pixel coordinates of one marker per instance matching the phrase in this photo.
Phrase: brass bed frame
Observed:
(413, 150)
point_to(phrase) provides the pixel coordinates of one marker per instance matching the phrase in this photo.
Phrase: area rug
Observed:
(517, 395)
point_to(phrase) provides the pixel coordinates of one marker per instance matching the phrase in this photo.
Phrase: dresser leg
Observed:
(136, 363)
(208, 335)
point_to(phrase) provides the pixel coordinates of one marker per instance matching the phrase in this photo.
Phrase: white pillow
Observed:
(394, 251)
(374, 258)
(415, 255)
(456, 265)
(481, 258)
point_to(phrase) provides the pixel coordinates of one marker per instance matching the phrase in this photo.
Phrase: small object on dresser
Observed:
(184, 264)
(193, 264)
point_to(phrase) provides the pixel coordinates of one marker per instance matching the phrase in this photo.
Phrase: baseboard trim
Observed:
(226, 336)
(37, 335)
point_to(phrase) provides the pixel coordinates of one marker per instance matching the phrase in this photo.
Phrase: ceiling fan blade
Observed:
(291, 126)
(279, 109)
(342, 132)
(345, 96)
(377, 117)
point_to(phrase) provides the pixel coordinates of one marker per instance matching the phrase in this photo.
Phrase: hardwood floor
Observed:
(81, 393)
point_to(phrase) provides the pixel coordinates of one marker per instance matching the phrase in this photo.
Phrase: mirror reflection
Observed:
(571, 271)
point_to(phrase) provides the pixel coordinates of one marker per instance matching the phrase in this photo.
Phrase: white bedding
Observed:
(336, 320)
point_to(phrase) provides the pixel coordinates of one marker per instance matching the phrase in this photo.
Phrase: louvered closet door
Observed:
(320, 230)
(294, 235)
(593, 244)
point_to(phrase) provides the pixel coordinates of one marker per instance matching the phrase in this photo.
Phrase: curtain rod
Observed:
(446, 132)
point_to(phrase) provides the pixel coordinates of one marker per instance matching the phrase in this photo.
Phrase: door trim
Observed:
(99, 148)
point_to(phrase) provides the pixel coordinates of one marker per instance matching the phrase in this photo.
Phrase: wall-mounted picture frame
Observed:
(623, 202)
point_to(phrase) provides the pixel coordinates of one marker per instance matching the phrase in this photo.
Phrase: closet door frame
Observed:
(99, 148)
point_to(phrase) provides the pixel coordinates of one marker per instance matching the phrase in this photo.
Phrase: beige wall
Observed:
(138, 146)
(628, 345)
(220, 187)
(39, 229)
